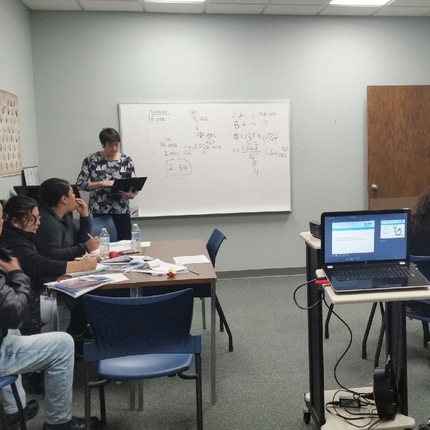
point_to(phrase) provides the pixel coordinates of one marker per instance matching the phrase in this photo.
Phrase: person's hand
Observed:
(107, 184)
(10, 266)
(130, 194)
(81, 207)
(93, 243)
(87, 263)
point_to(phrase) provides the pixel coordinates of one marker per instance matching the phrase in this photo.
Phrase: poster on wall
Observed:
(10, 148)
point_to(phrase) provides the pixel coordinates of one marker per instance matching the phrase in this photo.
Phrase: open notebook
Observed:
(368, 250)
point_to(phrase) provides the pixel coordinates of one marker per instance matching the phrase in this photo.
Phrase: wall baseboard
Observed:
(260, 273)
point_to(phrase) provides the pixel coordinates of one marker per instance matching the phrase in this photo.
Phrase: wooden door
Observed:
(398, 145)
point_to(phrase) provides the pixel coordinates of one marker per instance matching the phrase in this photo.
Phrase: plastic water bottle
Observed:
(104, 243)
(135, 238)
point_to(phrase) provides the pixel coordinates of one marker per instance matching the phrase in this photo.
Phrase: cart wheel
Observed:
(306, 416)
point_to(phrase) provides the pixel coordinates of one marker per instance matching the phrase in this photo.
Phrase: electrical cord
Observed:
(298, 288)
(365, 398)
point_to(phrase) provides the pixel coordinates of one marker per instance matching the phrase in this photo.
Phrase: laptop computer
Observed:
(368, 251)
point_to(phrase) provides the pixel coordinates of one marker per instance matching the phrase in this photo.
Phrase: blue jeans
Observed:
(52, 352)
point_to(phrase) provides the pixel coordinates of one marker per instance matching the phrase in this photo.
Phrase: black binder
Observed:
(126, 184)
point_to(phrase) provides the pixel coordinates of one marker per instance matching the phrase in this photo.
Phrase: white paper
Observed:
(191, 259)
(158, 267)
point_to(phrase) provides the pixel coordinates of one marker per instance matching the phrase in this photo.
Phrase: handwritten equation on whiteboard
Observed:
(252, 135)
(207, 158)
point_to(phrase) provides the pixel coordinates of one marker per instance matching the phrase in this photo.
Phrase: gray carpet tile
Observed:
(262, 383)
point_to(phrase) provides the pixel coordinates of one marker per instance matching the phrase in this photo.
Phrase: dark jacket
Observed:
(59, 238)
(419, 243)
(37, 267)
(14, 300)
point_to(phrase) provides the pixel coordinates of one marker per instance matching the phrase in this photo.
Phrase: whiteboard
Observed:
(209, 158)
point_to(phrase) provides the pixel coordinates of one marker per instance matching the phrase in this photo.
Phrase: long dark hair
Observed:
(421, 211)
(51, 191)
(19, 208)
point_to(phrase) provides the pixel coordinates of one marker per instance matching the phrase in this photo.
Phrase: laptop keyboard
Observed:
(375, 273)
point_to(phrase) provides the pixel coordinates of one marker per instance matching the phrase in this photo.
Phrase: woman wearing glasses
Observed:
(21, 221)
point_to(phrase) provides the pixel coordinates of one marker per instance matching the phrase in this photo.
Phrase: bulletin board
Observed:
(209, 158)
(10, 147)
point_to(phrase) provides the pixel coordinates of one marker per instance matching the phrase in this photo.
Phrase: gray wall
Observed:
(16, 76)
(86, 63)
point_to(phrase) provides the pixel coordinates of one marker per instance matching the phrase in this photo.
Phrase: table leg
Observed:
(55, 316)
(213, 344)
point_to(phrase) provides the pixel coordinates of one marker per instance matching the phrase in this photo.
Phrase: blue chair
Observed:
(213, 245)
(104, 221)
(423, 264)
(10, 380)
(139, 338)
(98, 223)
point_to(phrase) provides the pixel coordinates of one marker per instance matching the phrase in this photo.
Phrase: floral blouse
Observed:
(95, 168)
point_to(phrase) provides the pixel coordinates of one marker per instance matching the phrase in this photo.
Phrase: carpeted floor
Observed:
(262, 383)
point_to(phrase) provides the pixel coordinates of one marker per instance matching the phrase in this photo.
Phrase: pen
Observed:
(90, 236)
(193, 271)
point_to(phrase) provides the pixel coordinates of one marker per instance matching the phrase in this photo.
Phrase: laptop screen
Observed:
(365, 236)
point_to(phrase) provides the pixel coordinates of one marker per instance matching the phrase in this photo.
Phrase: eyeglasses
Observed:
(35, 218)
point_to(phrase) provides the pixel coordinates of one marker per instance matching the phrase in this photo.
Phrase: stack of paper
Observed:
(75, 287)
(158, 267)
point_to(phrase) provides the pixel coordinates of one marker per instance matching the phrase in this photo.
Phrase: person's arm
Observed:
(83, 233)
(129, 173)
(50, 239)
(84, 182)
(14, 295)
(38, 267)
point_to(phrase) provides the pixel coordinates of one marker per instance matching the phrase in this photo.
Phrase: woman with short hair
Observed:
(98, 173)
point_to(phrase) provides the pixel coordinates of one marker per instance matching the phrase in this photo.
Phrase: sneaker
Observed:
(74, 424)
(30, 411)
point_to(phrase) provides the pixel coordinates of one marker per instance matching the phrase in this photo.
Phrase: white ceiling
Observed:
(244, 7)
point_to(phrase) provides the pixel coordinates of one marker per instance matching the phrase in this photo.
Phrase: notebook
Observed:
(126, 184)
(368, 250)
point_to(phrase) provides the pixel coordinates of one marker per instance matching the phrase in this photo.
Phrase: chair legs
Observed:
(366, 333)
(202, 299)
(327, 321)
(426, 333)
(88, 385)
(19, 405)
(224, 322)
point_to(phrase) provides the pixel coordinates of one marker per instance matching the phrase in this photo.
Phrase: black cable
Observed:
(298, 288)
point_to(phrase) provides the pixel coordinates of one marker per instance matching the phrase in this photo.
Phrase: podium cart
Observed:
(395, 316)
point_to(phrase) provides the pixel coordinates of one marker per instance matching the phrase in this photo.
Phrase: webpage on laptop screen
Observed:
(360, 238)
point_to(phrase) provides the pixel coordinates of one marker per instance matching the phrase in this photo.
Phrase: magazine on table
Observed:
(126, 263)
(76, 287)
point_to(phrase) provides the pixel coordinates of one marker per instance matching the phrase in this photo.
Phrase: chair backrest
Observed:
(140, 325)
(214, 244)
(423, 264)
(105, 221)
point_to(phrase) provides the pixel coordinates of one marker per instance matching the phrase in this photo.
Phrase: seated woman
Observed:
(18, 235)
(58, 237)
(419, 244)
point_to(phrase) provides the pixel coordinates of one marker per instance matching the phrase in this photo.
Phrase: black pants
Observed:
(122, 224)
